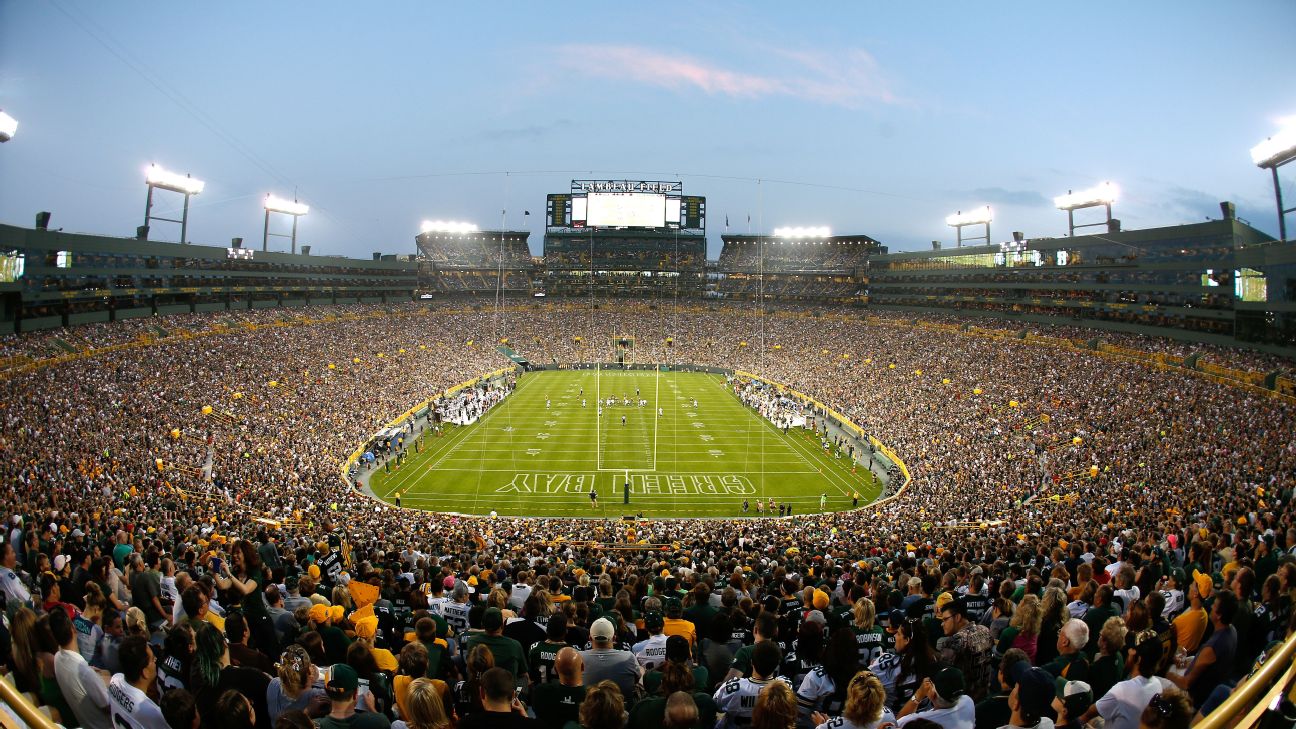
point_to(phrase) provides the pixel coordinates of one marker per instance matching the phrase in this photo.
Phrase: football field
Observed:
(542, 450)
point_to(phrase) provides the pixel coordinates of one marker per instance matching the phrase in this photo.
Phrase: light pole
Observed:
(159, 178)
(8, 127)
(275, 204)
(961, 220)
(1271, 154)
(1097, 196)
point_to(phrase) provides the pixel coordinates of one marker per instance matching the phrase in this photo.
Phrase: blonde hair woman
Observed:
(1023, 629)
(776, 707)
(426, 709)
(865, 705)
(294, 686)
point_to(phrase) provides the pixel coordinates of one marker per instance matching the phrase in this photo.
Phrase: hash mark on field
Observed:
(716, 453)
(707, 437)
(542, 436)
(698, 424)
(507, 429)
(690, 415)
(533, 451)
(551, 423)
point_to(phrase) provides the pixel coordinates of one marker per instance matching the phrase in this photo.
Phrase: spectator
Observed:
(737, 697)
(603, 661)
(776, 708)
(951, 706)
(1071, 662)
(130, 704)
(966, 646)
(1214, 662)
(500, 706)
(603, 707)
(1122, 706)
(557, 702)
(865, 706)
(993, 711)
(79, 685)
(507, 652)
(1072, 700)
(346, 711)
(425, 708)
(293, 689)
(1110, 665)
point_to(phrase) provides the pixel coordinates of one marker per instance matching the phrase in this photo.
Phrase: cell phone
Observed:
(216, 564)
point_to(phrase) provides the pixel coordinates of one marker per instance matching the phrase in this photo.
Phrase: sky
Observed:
(870, 118)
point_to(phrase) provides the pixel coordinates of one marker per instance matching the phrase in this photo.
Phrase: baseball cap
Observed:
(1204, 583)
(1035, 691)
(60, 561)
(816, 616)
(653, 621)
(449, 582)
(949, 683)
(944, 598)
(492, 619)
(915, 582)
(318, 613)
(1179, 576)
(677, 648)
(602, 629)
(1075, 695)
(820, 599)
(342, 682)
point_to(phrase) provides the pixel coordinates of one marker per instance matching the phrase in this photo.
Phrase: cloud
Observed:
(1000, 196)
(532, 131)
(850, 79)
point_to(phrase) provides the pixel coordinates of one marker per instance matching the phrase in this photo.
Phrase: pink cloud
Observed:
(851, 79)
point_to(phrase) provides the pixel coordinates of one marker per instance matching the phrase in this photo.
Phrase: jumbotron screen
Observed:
(624, 210)
(626, 204)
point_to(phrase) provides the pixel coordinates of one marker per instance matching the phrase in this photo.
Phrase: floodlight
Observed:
(158, 177)
(976, 217)
(1104, 194)
(1276, 150)
(448, 226)
(8, 127)
(1273, 153)
(276, 204)
(800, 232)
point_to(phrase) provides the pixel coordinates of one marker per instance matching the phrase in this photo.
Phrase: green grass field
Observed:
(539, 452)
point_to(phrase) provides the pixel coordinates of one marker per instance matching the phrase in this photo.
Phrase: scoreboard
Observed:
(626, 205)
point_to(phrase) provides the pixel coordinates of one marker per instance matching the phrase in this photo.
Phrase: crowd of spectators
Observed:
(1123, 528)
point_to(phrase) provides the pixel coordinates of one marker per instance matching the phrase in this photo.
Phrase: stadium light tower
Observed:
(1097, 196)
(961, 220)
(1271, 154)
(8, 126)
(276, 204)
(156, 177)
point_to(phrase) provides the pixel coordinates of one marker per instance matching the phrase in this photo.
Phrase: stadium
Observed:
(605, 480)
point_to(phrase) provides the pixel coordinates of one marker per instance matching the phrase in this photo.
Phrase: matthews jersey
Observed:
(456, 615)
(977, 605)
(651, 653)
(737, 699)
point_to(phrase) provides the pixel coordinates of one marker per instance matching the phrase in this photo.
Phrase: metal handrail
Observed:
(1249, 691)
(23, 708)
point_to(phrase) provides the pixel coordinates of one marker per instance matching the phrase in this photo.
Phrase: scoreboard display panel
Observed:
(625, 210)
(626, 204)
